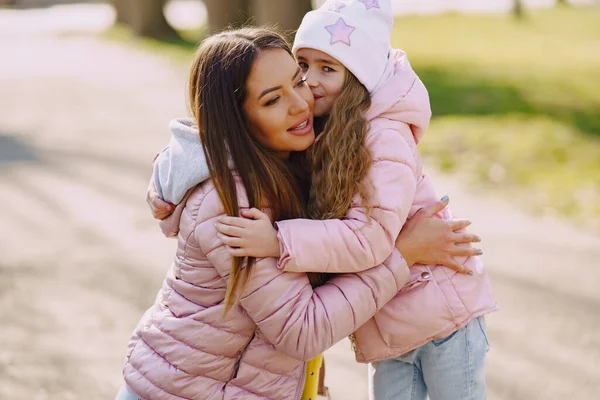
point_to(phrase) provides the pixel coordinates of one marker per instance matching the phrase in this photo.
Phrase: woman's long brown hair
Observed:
(217, 91)
(340, 157)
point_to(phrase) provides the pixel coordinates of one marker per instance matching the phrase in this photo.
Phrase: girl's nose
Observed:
(311, 79)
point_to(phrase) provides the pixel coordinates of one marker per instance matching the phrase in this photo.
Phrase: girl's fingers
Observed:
(234, 221)
(237, 252)
(162, 205)
(229, 230)
(466, 238)
(457, 224)
(160, 214)
(230, 241)
(160, 209)
(254, 213)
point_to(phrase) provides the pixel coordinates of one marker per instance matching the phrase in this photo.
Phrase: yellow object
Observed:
(311, 385)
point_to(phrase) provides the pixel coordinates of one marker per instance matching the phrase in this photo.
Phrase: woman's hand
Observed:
(160, 209)
(426, 239)
(251, 236)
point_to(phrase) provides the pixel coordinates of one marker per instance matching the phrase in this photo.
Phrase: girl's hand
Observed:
(252, 236)
(425, 239)
(160, 209)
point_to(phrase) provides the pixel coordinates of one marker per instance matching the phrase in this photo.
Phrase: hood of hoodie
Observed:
(402, 98)
(182, 164)
(179, 168)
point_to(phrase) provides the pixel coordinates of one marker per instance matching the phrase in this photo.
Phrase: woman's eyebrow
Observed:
(269, 90)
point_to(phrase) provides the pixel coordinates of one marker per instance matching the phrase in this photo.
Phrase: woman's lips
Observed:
(306, 127)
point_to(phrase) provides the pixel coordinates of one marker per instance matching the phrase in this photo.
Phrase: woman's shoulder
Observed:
(205, 203)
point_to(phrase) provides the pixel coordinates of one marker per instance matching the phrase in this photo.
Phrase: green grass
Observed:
(516, 105)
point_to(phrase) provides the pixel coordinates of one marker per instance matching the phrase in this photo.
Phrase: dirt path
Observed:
(81, 258)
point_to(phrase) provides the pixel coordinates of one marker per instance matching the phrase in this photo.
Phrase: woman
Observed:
(224, 328)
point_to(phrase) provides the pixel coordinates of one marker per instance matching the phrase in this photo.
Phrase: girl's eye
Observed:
(301, 82)
(303, 65)
(328, 69)
(272, 101)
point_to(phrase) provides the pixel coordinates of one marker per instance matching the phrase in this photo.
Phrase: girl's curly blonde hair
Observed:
(340, 158)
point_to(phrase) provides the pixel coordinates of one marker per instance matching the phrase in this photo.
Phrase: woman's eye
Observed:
(303, 65)
(328, 69)
(272, 101)
(301, 82)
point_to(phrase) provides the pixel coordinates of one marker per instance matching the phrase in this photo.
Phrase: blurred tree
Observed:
(123, 11)
(519, 9)
(284, 14)
(225, 13)
(145, 18)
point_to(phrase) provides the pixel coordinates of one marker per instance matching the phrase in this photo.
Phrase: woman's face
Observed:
(279, 104)
(325, 77)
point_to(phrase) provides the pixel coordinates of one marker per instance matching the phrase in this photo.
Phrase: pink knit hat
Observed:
(354, 32)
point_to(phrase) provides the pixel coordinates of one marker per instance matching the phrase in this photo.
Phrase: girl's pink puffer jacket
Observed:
(183, 348)
(436, 301)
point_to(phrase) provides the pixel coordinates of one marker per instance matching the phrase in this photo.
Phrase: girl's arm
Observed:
(359, 241)
(298, 320)
(424, 238)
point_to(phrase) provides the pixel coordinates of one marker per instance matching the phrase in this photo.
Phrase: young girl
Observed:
(241, 328)
(430, 339)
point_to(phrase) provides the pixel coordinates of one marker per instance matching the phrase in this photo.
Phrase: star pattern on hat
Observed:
(340, 32)
(336, 6)
(370, 3)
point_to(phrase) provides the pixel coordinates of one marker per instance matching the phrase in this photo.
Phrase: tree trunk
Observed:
(285, 15)
(148, 19)
(123, 10)
(519, 9)
(226, 13)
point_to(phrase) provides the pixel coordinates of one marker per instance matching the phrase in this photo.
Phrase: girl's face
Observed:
(279, 104)
(325, 77)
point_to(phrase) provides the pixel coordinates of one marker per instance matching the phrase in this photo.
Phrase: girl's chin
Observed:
(320, 111)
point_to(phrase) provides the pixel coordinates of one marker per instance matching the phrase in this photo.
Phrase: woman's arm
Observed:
(427, 239)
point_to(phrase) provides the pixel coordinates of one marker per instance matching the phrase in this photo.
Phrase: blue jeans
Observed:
(125, 394)
(452, 368)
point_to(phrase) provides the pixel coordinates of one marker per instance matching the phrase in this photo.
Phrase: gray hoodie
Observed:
(182, 164)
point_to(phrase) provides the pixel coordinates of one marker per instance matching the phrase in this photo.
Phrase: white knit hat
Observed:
(354, 32)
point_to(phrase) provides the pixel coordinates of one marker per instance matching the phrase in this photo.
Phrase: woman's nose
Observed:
(298, 104)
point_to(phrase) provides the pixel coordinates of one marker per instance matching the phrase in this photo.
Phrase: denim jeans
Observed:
(452, 368)
(125, 394)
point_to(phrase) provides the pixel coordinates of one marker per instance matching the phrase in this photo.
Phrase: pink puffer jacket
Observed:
(183, 347)
(436, 301)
